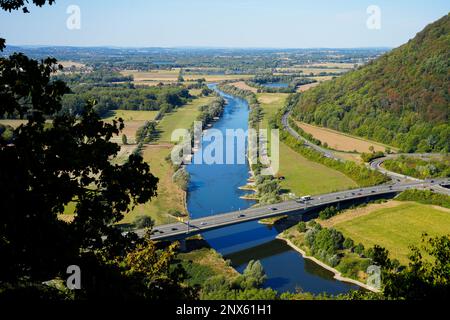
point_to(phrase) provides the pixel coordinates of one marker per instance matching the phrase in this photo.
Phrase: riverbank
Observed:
(337, 275)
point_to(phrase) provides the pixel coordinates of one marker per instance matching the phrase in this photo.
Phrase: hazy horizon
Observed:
(248, 24)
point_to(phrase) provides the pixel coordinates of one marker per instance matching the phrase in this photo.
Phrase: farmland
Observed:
(181, 118)
(301, 175)
(133, 120)
(154, 77)
(170, 196)
(395, 225)
(340, 141)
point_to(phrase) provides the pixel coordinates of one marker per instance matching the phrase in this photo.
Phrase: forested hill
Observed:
(401, 99)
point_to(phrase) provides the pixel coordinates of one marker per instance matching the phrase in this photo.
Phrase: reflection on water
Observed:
(214, 189)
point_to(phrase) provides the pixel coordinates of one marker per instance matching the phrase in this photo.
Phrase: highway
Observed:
(178, 231)
(376, 164)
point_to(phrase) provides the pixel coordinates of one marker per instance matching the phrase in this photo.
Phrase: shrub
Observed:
(348, 243)
(181, 179)
(328, 213)
(359, 249)
(301, 227)
(143, 222)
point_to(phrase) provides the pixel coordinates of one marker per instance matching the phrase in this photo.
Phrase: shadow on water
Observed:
(214, 189)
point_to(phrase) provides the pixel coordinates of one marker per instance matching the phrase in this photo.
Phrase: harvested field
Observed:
(243, 86)
(340, 141)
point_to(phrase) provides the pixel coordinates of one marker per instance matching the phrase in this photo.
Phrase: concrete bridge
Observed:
(180, 231)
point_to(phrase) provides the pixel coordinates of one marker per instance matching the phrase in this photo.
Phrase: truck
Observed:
(305, 198)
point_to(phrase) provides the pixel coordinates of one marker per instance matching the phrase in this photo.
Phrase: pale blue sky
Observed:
(222, 23)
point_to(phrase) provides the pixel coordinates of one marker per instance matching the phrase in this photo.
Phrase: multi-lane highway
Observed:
(196, 226)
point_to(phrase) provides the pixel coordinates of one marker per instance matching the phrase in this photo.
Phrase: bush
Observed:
(359, 249)
(181, 179)
(254, 275)
(348, 243)
(143, 222)
(369, 157)
(176, 213)
(301, 227)
(328, 213)
(425, 197)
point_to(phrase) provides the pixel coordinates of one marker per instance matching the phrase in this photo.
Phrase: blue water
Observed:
(214, 189)
(276, 85)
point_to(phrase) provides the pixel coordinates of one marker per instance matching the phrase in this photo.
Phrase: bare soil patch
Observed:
(339, 141)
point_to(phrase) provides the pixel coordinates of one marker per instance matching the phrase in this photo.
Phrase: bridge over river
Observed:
(180, 231)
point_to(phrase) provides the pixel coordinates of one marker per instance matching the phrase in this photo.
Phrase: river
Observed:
(214, 189)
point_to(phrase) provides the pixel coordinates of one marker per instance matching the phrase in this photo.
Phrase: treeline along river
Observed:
(215, 189)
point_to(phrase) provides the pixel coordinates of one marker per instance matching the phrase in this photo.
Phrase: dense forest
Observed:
(109, 96)
(401, 99)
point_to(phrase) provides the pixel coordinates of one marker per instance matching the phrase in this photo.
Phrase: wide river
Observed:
(215, 189)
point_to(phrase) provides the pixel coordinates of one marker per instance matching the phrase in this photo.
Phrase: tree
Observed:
(348, 243)
(124, 139)
(254, 275)
(46, 166)
(144, 222)
(9, 5)
(302, 227)
(359, 249)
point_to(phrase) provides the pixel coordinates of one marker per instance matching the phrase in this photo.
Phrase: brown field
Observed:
(243, 86)
(153, 77)
(306, 87)
(130, 131)
(13, 123)
(347, 156)
(332, 65)
(358, 212)
(69, 64)
(340, 141)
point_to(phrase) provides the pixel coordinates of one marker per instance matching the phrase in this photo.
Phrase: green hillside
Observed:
(401, 98)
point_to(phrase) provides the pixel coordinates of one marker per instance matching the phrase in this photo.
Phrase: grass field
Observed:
(182, 118)
(243, 86)
(395, 227)
(205, 263)
(133, 120)
(305, 177)
(341, 141)
(271, 103)
(131, 115)
(170, 196)
(302, 176)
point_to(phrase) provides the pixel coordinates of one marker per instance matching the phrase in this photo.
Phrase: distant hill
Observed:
(401, 99)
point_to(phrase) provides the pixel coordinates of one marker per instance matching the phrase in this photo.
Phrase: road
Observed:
(376, 164)
(180, 230)
(292, 132)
